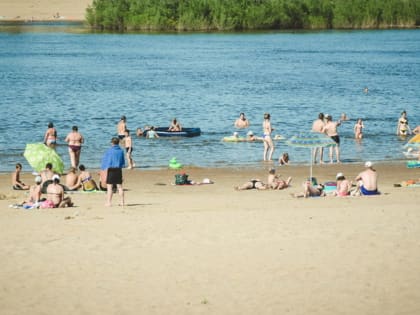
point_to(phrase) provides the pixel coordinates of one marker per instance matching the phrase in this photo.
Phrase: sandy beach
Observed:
(43, 10)
(209, 249)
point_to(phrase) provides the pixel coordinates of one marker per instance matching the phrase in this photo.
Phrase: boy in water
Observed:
(129, 149)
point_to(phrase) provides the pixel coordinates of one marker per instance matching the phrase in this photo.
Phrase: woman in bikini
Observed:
(55, 194)
(403, 129)
(268, 142)
(85, 180)
(75, 140)
(50, 137)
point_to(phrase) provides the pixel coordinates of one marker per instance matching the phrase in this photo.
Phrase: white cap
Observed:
(55, 177)
(339, 175)
(250, 133)
(368, 164)
(38, 179)
(235, 133)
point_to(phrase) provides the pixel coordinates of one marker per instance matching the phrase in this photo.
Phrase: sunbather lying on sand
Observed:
(251, 184)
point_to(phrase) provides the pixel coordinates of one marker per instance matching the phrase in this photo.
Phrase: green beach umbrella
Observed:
(38, 155)
(310, 140)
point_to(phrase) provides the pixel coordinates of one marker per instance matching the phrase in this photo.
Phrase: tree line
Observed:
(241, 15)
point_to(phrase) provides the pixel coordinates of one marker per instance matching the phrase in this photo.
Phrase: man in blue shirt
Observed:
(113, 162)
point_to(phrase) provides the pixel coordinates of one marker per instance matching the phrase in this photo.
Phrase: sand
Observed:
(43, 10)
(212, 250)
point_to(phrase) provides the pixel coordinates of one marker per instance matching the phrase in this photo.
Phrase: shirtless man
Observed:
(121, 126)
(50, 137)
(268, 141)
(368, 180)
(17, 184)
(241, 122)
(75, 140)
(330, 129)
(55, 193)
(318, 126)
(71, 179)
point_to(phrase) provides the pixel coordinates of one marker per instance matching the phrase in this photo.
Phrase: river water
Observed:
(72, 77)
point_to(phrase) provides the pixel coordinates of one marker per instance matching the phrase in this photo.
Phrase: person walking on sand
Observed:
(267, 140)
(241, 122)
(50, 137)
(358, 129)
(129, 149)
(75, 140)
(330, 129)
(318, 126)
(113, 162)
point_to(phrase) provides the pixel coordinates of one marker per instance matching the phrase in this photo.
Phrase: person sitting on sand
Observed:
(175, 126)
(34, 193)
(284, 159)
(55, 194)
(85, 180)
(343, 186)
(311, 191)
(46, 175)
(71, 179)
(252, 184)
(17, 184)
(368, 180)
(275, 182)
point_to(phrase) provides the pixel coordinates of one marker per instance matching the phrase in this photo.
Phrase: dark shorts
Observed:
(336, 139)
(121, 137)
(114, 176)
(129, 150)
(75, 148)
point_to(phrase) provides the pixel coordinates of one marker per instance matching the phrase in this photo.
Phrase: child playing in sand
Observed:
(17, 184)
(275, 182)
(343, 186)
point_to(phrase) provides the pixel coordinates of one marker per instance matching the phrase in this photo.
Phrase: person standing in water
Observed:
(358, 129)
(241, 122)
(403, 129)
(50, 137)
(268, 141)
(129, 149)
(75, 140)
(318, 126)
(330, 129)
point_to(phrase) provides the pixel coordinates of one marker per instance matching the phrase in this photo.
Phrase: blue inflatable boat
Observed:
(186, 132)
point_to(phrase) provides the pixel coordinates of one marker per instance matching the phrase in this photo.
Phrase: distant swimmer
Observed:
(242, 122)
(366, 90)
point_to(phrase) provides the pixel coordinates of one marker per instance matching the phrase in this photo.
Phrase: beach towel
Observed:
(413, 164)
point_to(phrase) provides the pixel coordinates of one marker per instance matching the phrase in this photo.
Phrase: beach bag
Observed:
(181, 179)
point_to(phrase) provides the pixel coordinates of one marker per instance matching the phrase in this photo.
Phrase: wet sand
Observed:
(208, 249)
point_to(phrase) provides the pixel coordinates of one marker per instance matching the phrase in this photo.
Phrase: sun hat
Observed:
(339, 175)
(55, 177)
(38, 179)
(368, 164)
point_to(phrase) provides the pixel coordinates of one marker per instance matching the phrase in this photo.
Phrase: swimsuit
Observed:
(75, 148)
(336, 139)
(121, 137)
(129, 150)
(366, 192)
(114, 175)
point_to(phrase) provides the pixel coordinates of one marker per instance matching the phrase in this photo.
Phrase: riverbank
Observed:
(210, 249)
(43, 10)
